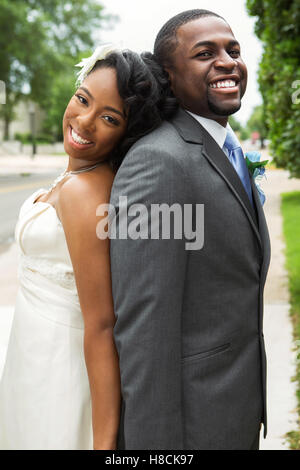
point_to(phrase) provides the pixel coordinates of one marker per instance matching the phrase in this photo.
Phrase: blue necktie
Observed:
(236, 157)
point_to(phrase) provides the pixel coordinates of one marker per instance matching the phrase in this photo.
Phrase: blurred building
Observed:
(22, 122)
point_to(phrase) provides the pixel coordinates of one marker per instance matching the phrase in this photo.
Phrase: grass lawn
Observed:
(290, 208)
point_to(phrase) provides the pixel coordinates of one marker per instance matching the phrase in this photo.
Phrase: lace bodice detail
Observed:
(57, 273)
(41, 238)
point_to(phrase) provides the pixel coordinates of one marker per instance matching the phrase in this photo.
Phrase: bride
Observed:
(61, 388)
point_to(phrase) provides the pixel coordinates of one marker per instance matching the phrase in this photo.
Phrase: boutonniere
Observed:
(257, 170)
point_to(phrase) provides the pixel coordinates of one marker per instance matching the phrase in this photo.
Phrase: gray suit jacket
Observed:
(189, 323)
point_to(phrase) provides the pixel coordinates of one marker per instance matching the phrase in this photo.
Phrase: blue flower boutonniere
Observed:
(257, 170)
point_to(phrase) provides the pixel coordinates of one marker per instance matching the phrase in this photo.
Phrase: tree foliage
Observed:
(242, 131)
(63, 87)
(278, 26)
(235, 124)
(39, 40)
(257, 123)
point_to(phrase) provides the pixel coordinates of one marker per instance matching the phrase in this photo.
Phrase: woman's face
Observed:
(95, 120)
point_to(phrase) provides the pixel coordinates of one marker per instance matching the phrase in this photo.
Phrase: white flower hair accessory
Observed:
(88, 63)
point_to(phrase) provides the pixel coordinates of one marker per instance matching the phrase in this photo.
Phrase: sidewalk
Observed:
(25, 164)
(282, 402)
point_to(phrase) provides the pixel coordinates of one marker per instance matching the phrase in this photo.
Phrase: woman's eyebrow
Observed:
(87, 91)
(107, 108)
(110, 108)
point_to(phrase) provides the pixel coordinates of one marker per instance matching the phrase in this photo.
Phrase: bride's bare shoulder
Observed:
(82, 193)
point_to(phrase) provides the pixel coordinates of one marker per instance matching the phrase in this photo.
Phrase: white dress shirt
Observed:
(215, 129)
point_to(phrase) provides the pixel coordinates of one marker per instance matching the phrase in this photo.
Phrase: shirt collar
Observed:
(215, 129)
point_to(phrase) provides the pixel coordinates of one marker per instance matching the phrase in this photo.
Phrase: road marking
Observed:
(20, 187)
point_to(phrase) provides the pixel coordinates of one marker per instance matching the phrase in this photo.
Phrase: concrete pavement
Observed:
(13, 164)
(14, 189)
(280, 346)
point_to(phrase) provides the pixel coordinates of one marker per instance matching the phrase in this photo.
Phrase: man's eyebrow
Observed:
(231, 43)
(234, 42)
(203, 43)
(87, 91)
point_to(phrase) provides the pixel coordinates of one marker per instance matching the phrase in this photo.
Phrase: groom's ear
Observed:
(171, 74)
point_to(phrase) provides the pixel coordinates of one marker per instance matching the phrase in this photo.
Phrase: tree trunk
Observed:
(6, 128)
(8, 113)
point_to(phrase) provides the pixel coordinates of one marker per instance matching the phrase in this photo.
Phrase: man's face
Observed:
(207, 74)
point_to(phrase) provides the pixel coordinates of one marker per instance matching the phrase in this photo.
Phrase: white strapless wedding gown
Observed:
(44, 391)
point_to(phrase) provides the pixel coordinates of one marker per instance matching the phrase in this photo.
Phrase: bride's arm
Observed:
(78, 200)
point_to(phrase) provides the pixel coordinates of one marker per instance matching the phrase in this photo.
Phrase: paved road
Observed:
(14, 189)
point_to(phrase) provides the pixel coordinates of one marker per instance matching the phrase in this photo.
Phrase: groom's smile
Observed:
(207, 73)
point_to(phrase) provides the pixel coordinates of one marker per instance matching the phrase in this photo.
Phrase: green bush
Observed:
(290, 208)
(278, 26)
(26, 138)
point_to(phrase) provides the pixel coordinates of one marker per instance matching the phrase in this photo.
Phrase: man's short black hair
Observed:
(166, 40)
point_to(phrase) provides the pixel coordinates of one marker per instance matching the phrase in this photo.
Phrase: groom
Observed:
(189, 322)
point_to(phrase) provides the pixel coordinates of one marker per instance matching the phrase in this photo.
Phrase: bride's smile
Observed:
(95, 119)
(60, 387)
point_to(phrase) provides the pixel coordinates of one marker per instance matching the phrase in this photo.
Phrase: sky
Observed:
(140, 21)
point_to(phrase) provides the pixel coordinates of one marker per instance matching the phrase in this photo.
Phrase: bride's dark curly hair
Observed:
(144, 87)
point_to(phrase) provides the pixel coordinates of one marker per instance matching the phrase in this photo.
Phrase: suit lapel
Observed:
(219, 160)
(192, 131)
